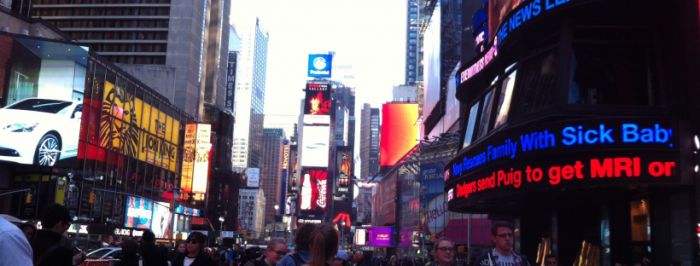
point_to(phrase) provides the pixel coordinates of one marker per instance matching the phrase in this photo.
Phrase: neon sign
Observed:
(480, 64)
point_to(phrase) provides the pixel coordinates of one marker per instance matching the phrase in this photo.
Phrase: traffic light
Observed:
(91, 198)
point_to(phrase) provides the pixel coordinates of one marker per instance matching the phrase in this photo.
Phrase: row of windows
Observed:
(149, 48)
(53, 2)
(118, 35)
(155, 60)
(92, 11)
(97, 23)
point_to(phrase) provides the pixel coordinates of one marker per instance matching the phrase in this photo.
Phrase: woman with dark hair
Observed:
(195, 255)
(324, 245)
(302, 243)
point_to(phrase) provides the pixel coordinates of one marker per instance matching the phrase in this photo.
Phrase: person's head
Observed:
(444, 252)
(550, 260)
(276, 249)
(28, 230)
(181, 247)
(502, 233)
(324, 244)
(148, 237)
(303, 238)
(56, 218)
(195, 243)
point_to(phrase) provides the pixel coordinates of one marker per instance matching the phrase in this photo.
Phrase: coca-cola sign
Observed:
(313, 196)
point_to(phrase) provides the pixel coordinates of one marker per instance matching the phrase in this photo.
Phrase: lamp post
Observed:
(342, 228)
(221, 223)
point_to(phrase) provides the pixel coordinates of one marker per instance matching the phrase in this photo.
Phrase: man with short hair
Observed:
(276, 249)
(47, 242)
(550, 260)
(443, 253)
(502, 253)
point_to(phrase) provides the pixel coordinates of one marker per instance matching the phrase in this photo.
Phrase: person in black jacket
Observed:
(502, 253)
(195, 252)
(150, 253)
(47, 246)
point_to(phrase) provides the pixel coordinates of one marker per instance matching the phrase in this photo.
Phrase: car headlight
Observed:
(20, 127)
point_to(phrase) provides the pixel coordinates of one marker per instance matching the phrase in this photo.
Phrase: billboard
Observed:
(379, 236)
(320, 65)
(399, 131)
(314, 150)
(431, 73)
(313, 196)
(188, 158)
(317, 103)
(43, 88)
(139, 212)
(188, 211)
(498, 10)
(201, 159)
(252, 177)
(345, 166)
(161, 222)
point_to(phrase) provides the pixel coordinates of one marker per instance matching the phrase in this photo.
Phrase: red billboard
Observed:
(399, 131)
(313, 196)
(318, 99)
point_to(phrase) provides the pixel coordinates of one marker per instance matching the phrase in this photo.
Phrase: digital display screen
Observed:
(379, 236)
(139, 212)
(313, 196)
(161, 221)
(399, 133)
(314, 149)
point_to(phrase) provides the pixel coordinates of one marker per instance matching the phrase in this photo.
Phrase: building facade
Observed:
(249, 102)
(251, 211)
(405, 93)
(271, 171)
(369, 142)
(412, 41)
(151, 40)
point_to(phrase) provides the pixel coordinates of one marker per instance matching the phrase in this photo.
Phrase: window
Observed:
(537, 89)
(485, 120)
(504, 97)
(469, 132)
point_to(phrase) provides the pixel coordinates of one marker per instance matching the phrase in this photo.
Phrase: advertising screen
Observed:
(313, 196)
(161, 222)
(320, 65)
(317, 98)
(252, 177)
(188, 211)
(345, 167)
(379, 236)
(43, 88)
(188, 158)
(201, 160)
(498, 10)
(314, 151)
(431, 73)
(139, 212)
(399, 131)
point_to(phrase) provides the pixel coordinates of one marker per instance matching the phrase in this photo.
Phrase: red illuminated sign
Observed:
(314, 190)
(399, 131)
(343, 217)
(318, 99)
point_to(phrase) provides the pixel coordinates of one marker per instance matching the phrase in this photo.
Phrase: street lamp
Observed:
(342, 228)
(221, 220)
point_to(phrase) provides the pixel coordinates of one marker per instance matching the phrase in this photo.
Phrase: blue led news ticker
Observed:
(569, 137)
(526, 12)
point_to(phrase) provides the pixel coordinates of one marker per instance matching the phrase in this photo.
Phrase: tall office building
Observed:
(271, 170)
(369, 142)
(345, 122)
(405, 93)
(234, 51)
(412, 42)
(173, 46)
(249, 102)
(251, 210)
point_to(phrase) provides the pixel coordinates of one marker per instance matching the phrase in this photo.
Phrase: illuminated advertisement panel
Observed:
(570, 154)
(252, 177)
(313, 196)
(399, 131)
(161, 222)
(188, 211)
(139, 212)
(498, 10)
(314, 151)
(345, 167)
(43, 100)
(431, 55)
(379, 236)
(317, 103)
(188, 155)
(320, 65)
(201, 159)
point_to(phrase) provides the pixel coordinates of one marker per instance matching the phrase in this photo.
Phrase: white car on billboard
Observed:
(39, 131)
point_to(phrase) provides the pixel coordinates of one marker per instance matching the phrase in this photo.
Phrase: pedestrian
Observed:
(29, 230)
(340, 259)
(195, 255)
(151, 254)
(302, 242)
(550, 260)
(14, 246)
(324, 245)
(443, 253)
(276, 250)
(502, 254)
(47, 241)
(129, 256)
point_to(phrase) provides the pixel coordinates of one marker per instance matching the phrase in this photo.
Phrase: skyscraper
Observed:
(369, 142)
(249, 102)
(174, 46)
(412, 43)
(271, 170)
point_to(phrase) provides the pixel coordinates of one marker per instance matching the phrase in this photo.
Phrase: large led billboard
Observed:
(379, 236)
(320, 65)
(314, 151)
(431, 73)
(498, 10)
(139, 212)
(317, 103)
(195, 161)
(43, 86)
(161, 222)
(313, 196)
(399, 131)
(345, 167)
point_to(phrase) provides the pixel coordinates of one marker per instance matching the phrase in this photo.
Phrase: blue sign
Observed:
(320, 65)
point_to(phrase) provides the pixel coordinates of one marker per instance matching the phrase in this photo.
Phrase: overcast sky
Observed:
(368, 37)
